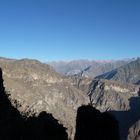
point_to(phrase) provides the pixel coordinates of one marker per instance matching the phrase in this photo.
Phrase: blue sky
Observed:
(69, 29)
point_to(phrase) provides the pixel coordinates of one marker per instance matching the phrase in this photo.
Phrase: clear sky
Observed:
(69, 29)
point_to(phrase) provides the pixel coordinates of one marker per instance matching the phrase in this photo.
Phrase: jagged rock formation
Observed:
(129, 73)
(15, 126)
(118, 98)
(37, 87)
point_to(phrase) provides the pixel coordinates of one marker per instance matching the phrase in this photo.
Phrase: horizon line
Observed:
(64, 60)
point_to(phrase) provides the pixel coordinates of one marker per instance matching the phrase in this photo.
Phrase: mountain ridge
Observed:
(128, 73)
(95, 67)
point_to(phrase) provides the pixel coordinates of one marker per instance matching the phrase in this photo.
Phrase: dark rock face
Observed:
(91, 124)
(14, 126)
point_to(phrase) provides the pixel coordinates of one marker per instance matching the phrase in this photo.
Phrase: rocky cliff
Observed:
(120, 99)
(37, 87)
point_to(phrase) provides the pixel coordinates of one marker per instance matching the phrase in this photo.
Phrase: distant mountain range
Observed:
(111, 86)
(90, 68)
(128, 73)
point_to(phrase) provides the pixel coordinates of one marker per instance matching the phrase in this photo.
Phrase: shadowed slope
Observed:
(93, 125)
